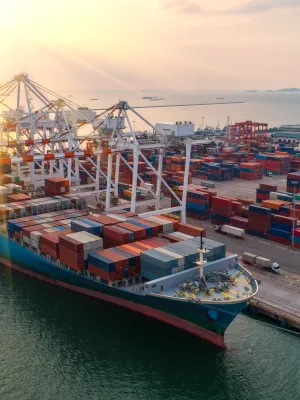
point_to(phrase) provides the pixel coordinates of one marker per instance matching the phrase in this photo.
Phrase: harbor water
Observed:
(274, 108)
(56, 344)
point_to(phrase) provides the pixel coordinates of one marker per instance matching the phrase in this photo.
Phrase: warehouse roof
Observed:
(288, 135)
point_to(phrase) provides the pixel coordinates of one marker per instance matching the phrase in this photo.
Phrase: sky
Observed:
(152, 44)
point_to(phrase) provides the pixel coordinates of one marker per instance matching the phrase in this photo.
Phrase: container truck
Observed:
(261, 262)
(231, 230)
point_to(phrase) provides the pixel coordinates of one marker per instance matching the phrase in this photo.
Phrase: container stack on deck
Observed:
(176, 257)
(74, 248)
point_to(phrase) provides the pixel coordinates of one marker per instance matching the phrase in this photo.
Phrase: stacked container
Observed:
(49, 243)
(167, 225)
(259, 221)
(57, 186)
(114, 235)
(296, 238)
(191, 230)
(221, 210)
(239, 222)
(293, 177)
(197, 204)
(281, 229)
(75, 247)
(87, 225)
(108, 265)
(251, 171)
(139, 232)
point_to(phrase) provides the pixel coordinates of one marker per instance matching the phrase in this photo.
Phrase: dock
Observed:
(277, 298)
(285, 318)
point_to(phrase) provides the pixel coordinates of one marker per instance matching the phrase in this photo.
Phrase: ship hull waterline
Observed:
(177, 322)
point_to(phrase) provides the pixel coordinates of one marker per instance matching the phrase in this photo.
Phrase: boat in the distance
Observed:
(153, 98)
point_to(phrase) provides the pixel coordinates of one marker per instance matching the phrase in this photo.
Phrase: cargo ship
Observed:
(179, 283)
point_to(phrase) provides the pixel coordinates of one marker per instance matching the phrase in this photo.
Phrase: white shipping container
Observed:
(232, 230)
(35, 244)
(35, 235)
(90, 242)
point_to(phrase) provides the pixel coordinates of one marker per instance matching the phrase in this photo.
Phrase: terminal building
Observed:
(289, 134)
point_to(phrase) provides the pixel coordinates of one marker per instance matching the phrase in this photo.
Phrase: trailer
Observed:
(231, 230)
(261, 262)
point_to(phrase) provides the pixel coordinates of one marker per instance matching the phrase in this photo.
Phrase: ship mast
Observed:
(201, 260)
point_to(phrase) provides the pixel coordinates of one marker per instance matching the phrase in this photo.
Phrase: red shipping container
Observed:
(120, 261)
(71, 258)
(156, 227)
(112, 236)
(70, 244)
(191, 230)
(272, 188)
(139, 232)
(103, 219)
(239, 222)
(101, 273)
(26, 231)
(279, 239)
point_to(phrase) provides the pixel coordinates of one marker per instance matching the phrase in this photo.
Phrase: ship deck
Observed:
(231, 284)
(236, 288)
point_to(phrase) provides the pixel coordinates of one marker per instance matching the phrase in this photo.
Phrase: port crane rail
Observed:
(49, 136)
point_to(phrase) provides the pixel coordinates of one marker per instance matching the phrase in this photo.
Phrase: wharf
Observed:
(278, 297)
(288, 319)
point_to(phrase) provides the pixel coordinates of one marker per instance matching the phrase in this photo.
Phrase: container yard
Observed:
(123, 216)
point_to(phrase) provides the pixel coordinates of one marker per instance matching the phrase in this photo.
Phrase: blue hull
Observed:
(190, 316)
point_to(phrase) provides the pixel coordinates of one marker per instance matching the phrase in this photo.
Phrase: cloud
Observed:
(187, 6)
(249, 7)
(260, 6)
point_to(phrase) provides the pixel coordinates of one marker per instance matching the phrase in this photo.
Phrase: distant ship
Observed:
(152, 98)
(220, 98)
(94, 99)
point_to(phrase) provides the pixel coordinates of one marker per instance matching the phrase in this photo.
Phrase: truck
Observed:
(230, 230)
(261, 262)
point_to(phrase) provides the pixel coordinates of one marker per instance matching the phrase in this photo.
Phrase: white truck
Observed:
(261, 262)
(231, 230)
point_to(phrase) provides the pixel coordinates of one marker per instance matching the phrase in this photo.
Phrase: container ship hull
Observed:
(192, 317)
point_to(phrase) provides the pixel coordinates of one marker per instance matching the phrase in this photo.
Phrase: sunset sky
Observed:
(152, 44)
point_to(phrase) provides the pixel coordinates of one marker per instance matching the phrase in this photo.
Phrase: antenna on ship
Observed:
(201, 261)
